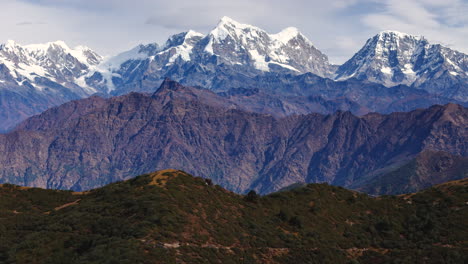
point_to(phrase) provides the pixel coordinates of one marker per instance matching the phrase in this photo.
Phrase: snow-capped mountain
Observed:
(50, 62)
(230, 47)
(36, 77)
(394, 58)
(235, 56)
(242, 44)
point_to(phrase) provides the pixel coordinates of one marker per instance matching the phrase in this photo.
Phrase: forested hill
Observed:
(172, 217)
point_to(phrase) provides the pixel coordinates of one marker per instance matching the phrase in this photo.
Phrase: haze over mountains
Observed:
(91, 142)
(286, 65)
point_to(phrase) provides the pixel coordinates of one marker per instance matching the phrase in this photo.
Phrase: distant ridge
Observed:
(91, 142)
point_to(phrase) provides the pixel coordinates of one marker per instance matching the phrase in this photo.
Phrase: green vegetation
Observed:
(172, 217)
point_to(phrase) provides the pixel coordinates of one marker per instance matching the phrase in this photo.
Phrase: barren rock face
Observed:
(88, 143)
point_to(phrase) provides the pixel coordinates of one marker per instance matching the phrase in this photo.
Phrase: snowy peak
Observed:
(227, 20)
(189, 38)
(392, 58)
(393, 34)
(51, 50)
(233, 33)
(244, 34)
(242, 48)
(180, 46)
(287, 35)
(147, 49)
(46, 46)
(240, 45)
(138, 59)
(50, 62)
(387, 42)
(9, 45)
(229, 23)
(138, 53)
(90, 56)
(244, 44)
(12, 51)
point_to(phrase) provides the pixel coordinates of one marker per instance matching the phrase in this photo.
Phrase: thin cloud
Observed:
(24, 23)
(30, 23)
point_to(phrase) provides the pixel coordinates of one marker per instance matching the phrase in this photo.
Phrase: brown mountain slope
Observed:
(92, 142)
(427, 169)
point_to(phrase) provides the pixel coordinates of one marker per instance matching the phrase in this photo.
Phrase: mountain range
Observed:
(172, 217)
(405, 72)
(91, 142)
(251, 148)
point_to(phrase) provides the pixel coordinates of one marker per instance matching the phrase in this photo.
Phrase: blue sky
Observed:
(337, 27)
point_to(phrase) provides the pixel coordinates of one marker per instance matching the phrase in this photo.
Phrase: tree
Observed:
(295, 221)
(209, 182)
(252, 196)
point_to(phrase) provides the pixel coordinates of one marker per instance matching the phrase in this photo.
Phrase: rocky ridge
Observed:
(95, 141)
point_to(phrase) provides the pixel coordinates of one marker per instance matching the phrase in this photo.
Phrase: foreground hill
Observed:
(172, 217)
(89, 143)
